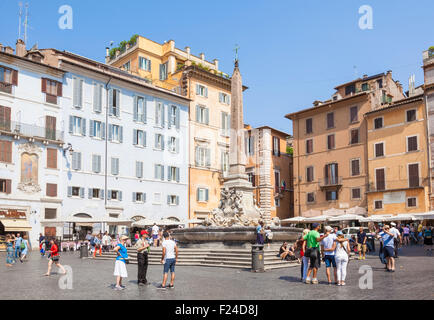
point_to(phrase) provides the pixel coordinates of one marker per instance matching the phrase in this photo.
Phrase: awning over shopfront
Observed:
(293, 220)
(346, 217)
(15, 225)
(89, 222)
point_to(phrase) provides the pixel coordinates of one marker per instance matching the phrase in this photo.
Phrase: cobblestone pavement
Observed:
(92, 279)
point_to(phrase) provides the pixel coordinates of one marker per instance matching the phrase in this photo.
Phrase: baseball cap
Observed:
(315, 225)
(143, 232)
(393, 224)
(339, 232)
(328, 228)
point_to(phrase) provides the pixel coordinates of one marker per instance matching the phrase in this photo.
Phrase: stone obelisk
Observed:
(237, 178)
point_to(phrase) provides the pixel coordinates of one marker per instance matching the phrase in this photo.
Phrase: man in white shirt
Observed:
(106, 240)
(396, 237)
(169, 259)
(155, 230)
(329, 256)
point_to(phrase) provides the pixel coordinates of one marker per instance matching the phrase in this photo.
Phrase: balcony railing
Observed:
(29, 130)
(330, 182)
(5, 87)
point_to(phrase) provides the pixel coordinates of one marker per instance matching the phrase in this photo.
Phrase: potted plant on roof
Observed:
(431, 51)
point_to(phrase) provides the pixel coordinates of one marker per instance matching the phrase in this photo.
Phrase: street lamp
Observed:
(68, 147)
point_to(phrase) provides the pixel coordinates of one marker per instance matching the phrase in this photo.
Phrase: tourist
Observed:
(155, 230)
(361, 243)
(286, 253)
(10, 256)
(41, 238)
(169, 258)
(419, 233)
(136, 237)
(329, 256)
(18, 241)
(396, 239)
(121, 262)
(142, 247)
(304, 260)
(24, 248)
(97, 244)
(268, 236)
(54, 258)
(313, 240)
(388, 247)
(260, 232)
(406, 235)
(427, 240)
(106, 242)
(341, 248)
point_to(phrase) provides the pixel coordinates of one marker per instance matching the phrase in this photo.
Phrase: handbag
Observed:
(22, 245)
(307, 252)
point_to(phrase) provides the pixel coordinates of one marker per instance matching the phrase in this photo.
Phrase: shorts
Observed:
(120, 269)
(406, 234)
(155, 236)
(361, 247)
(427, 241)
(55, 259)
(330, 261)
(389, 252)
(315, 260)
(169, 264)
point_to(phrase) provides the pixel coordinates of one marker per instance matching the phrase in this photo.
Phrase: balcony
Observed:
(5, 87)
(30, 131)
(330, 183)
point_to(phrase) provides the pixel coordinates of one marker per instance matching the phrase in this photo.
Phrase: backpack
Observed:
(22, 245)
(92, 241)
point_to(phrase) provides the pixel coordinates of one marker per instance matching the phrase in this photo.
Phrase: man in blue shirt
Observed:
(18, 241)
(388, 247)
(329, 256)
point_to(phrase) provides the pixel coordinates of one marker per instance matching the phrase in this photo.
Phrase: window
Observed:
(202, 114)
(379, 149)
(330, 120)
(159, 114)
(355, 193)
(139, 112)
(97, 97)
(201, 90)
(276, 146)
(203, 157)
(139, 197)
(5, 151)
(411, 115)
(76, 160)
(252, 178)
(127, 66)
(173, 174)
(277, 202)
(77, 92)
(380, 179)
(380, 83)
(277, 181)
(50, 128)
(8, 77)
(5, 118)
(51, 158)
(114, 195)
(331, 174)
(163, 71)
(378, 204)
(225, 162)
(412, 144)
(77, 126)
(330, 141)
(95, 193)
(413, 175)
(5, 186)
(51, 190)
(355, 167)
(411, 202)
(224, 98)
(139, 169)
(225, 124)
(115, 166)
(96, 163)
(139, 138)
(52, 90)
(250, 145)
(114, 102)
(350, 89)
(50, 213)
(309, 174)
(144, 64)
(378, 123)
(159, 172)
(75, 191)
(353, 114)
(309, 125)
(97, 129)
(115, 133)
(331, 195)
(174, 145)
(172, 200)
(354, 136)
(174, 117)
(309, 146)
(365, 86)
(202, 195)
(159, 141)
(310, 197)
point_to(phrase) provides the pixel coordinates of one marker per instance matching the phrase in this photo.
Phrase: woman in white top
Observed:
(342, 250)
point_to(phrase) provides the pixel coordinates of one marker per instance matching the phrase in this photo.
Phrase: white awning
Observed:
(346, 217)
(402, 217)
(376, 218)
(424, 216)
(14, 225)
(199, 221)
(317, 219)
(91, 221)
(294, 220)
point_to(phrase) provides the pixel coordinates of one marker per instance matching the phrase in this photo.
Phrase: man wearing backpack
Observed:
(313, 239)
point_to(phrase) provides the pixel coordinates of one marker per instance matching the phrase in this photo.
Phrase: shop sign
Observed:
(12, 214)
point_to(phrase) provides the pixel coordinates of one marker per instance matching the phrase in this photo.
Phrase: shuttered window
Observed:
(411, 202)
(354, 136)
(159, 172)
(97, 97)
(51, 190)
(412, 143)
(139, 109)
(355, 167)
(380, 179)
(114, 102)
(331, 141)
(378, 123)
(309, 146)
(353, 114)
(76, 160)
(310, 197)
(115, 166)
(378, 204)
(51, 158)
(173, 174)
(96, 163)
(355, 193)
(77, 92)
(50, 128)
(5, 118)
(5, 186)
(139, 169)
(309, 125)
(309, 174)
(5, 151)
(411, 115)
(202, 194)
(202, 114)
(8, 76)
(203, 157)
(379, 149)
(413, 175)
(330, 120)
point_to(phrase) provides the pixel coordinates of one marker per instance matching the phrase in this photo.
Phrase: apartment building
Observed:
(269, 167)
(209, 115)
(31, 140)
(398, 158)
(428, 67)
(330, 156)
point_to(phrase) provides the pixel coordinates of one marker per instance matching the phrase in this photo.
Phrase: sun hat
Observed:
(393, 224)
(339, 233)
(143, 232)
(328, 228)
(124, 237)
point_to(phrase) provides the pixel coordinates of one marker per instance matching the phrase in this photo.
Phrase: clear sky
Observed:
(291, 52)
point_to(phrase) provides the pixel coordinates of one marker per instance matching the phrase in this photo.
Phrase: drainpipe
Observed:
(428, 149)
(106, 139)
(298, 167)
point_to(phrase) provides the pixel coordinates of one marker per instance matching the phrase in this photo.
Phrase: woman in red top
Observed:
(54, 250)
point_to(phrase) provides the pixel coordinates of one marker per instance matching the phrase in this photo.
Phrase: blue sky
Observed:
(291, 52)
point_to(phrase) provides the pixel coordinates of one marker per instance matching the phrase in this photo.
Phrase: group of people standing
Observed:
(17, 248)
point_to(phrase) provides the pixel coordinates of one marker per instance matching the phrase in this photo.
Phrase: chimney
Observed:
(202, 56)
(365, 76)
(20, 48)
(172, 45)
(187, 49)
(107, 55)
(216, 64)
(9, 50)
